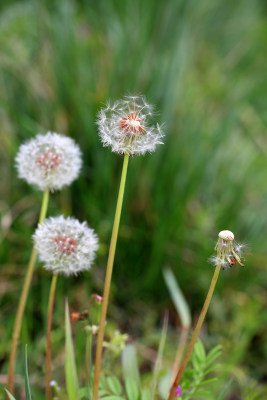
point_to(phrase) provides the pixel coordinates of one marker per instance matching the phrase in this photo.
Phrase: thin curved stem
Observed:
(180, 350)
(112, 249)
(48, 336)
(195, 334)
(22, 302)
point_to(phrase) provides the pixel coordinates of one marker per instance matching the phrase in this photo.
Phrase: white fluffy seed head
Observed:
(65, 245)
(226, 235)
(128, 127)
(49, 161)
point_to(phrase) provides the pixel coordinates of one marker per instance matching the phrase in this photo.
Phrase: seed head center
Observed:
(48, 161)
(132, 124)
(65, 245)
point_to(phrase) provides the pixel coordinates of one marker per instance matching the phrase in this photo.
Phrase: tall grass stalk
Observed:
(48, 336)
(195, 334)
(112, 249)
(22, 301)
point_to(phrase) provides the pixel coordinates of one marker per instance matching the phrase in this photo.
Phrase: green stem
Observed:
(22, 302)
(48, 336)
(88, 362)
(195, 334)
(113, 242)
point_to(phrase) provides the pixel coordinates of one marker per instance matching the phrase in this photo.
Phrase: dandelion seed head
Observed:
(228, 251)
(127, 126)
(49, 161)
(65, 245)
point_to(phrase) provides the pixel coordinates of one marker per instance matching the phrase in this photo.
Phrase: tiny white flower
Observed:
(128, 127)
(65, 245)
(229, 252)
(49, 161)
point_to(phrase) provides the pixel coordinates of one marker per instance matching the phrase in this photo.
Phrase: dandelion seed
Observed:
(65, 245)
(127, 126)
(49, 161)
(229, 252)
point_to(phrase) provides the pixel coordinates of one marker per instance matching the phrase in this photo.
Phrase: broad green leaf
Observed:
(129, 364)
(103, 392)
(132, 390)
(70, 367)
(27, 383)
(83, 393)
(177, 297)
(114, 385)
(103, 382)
(10, 395)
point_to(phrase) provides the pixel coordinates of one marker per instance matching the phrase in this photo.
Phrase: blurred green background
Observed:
(203, 65)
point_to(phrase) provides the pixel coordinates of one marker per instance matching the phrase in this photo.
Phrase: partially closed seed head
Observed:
(228, 251)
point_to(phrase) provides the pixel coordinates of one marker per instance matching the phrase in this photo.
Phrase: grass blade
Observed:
(10, 395)
(129, 364)
(27, 383)
(177, 297)
(70, 367)
(225, 390)
(159, 356)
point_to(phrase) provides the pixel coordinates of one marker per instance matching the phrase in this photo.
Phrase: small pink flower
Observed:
(97, 298)
(178, 392)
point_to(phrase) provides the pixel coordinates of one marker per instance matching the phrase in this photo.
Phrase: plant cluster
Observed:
(68, 247)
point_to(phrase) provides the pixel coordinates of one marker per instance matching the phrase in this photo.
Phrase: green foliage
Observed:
(129, 364)
(10, 395)
(201, 364)
(177, 296)
(70, 365)
(27, 383)
(203, 65)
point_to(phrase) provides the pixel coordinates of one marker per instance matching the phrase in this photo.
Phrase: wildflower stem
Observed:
(113, 242)
(22, 302)
(195, 334)
(48, 336)
(88, 362)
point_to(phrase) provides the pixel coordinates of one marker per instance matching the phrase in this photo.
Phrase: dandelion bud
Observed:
(127, 126)
(49, 161)
(226, 235)
(229, 252)
(65, 245)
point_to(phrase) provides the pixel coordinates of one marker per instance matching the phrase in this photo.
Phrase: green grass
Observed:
(203, 64)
